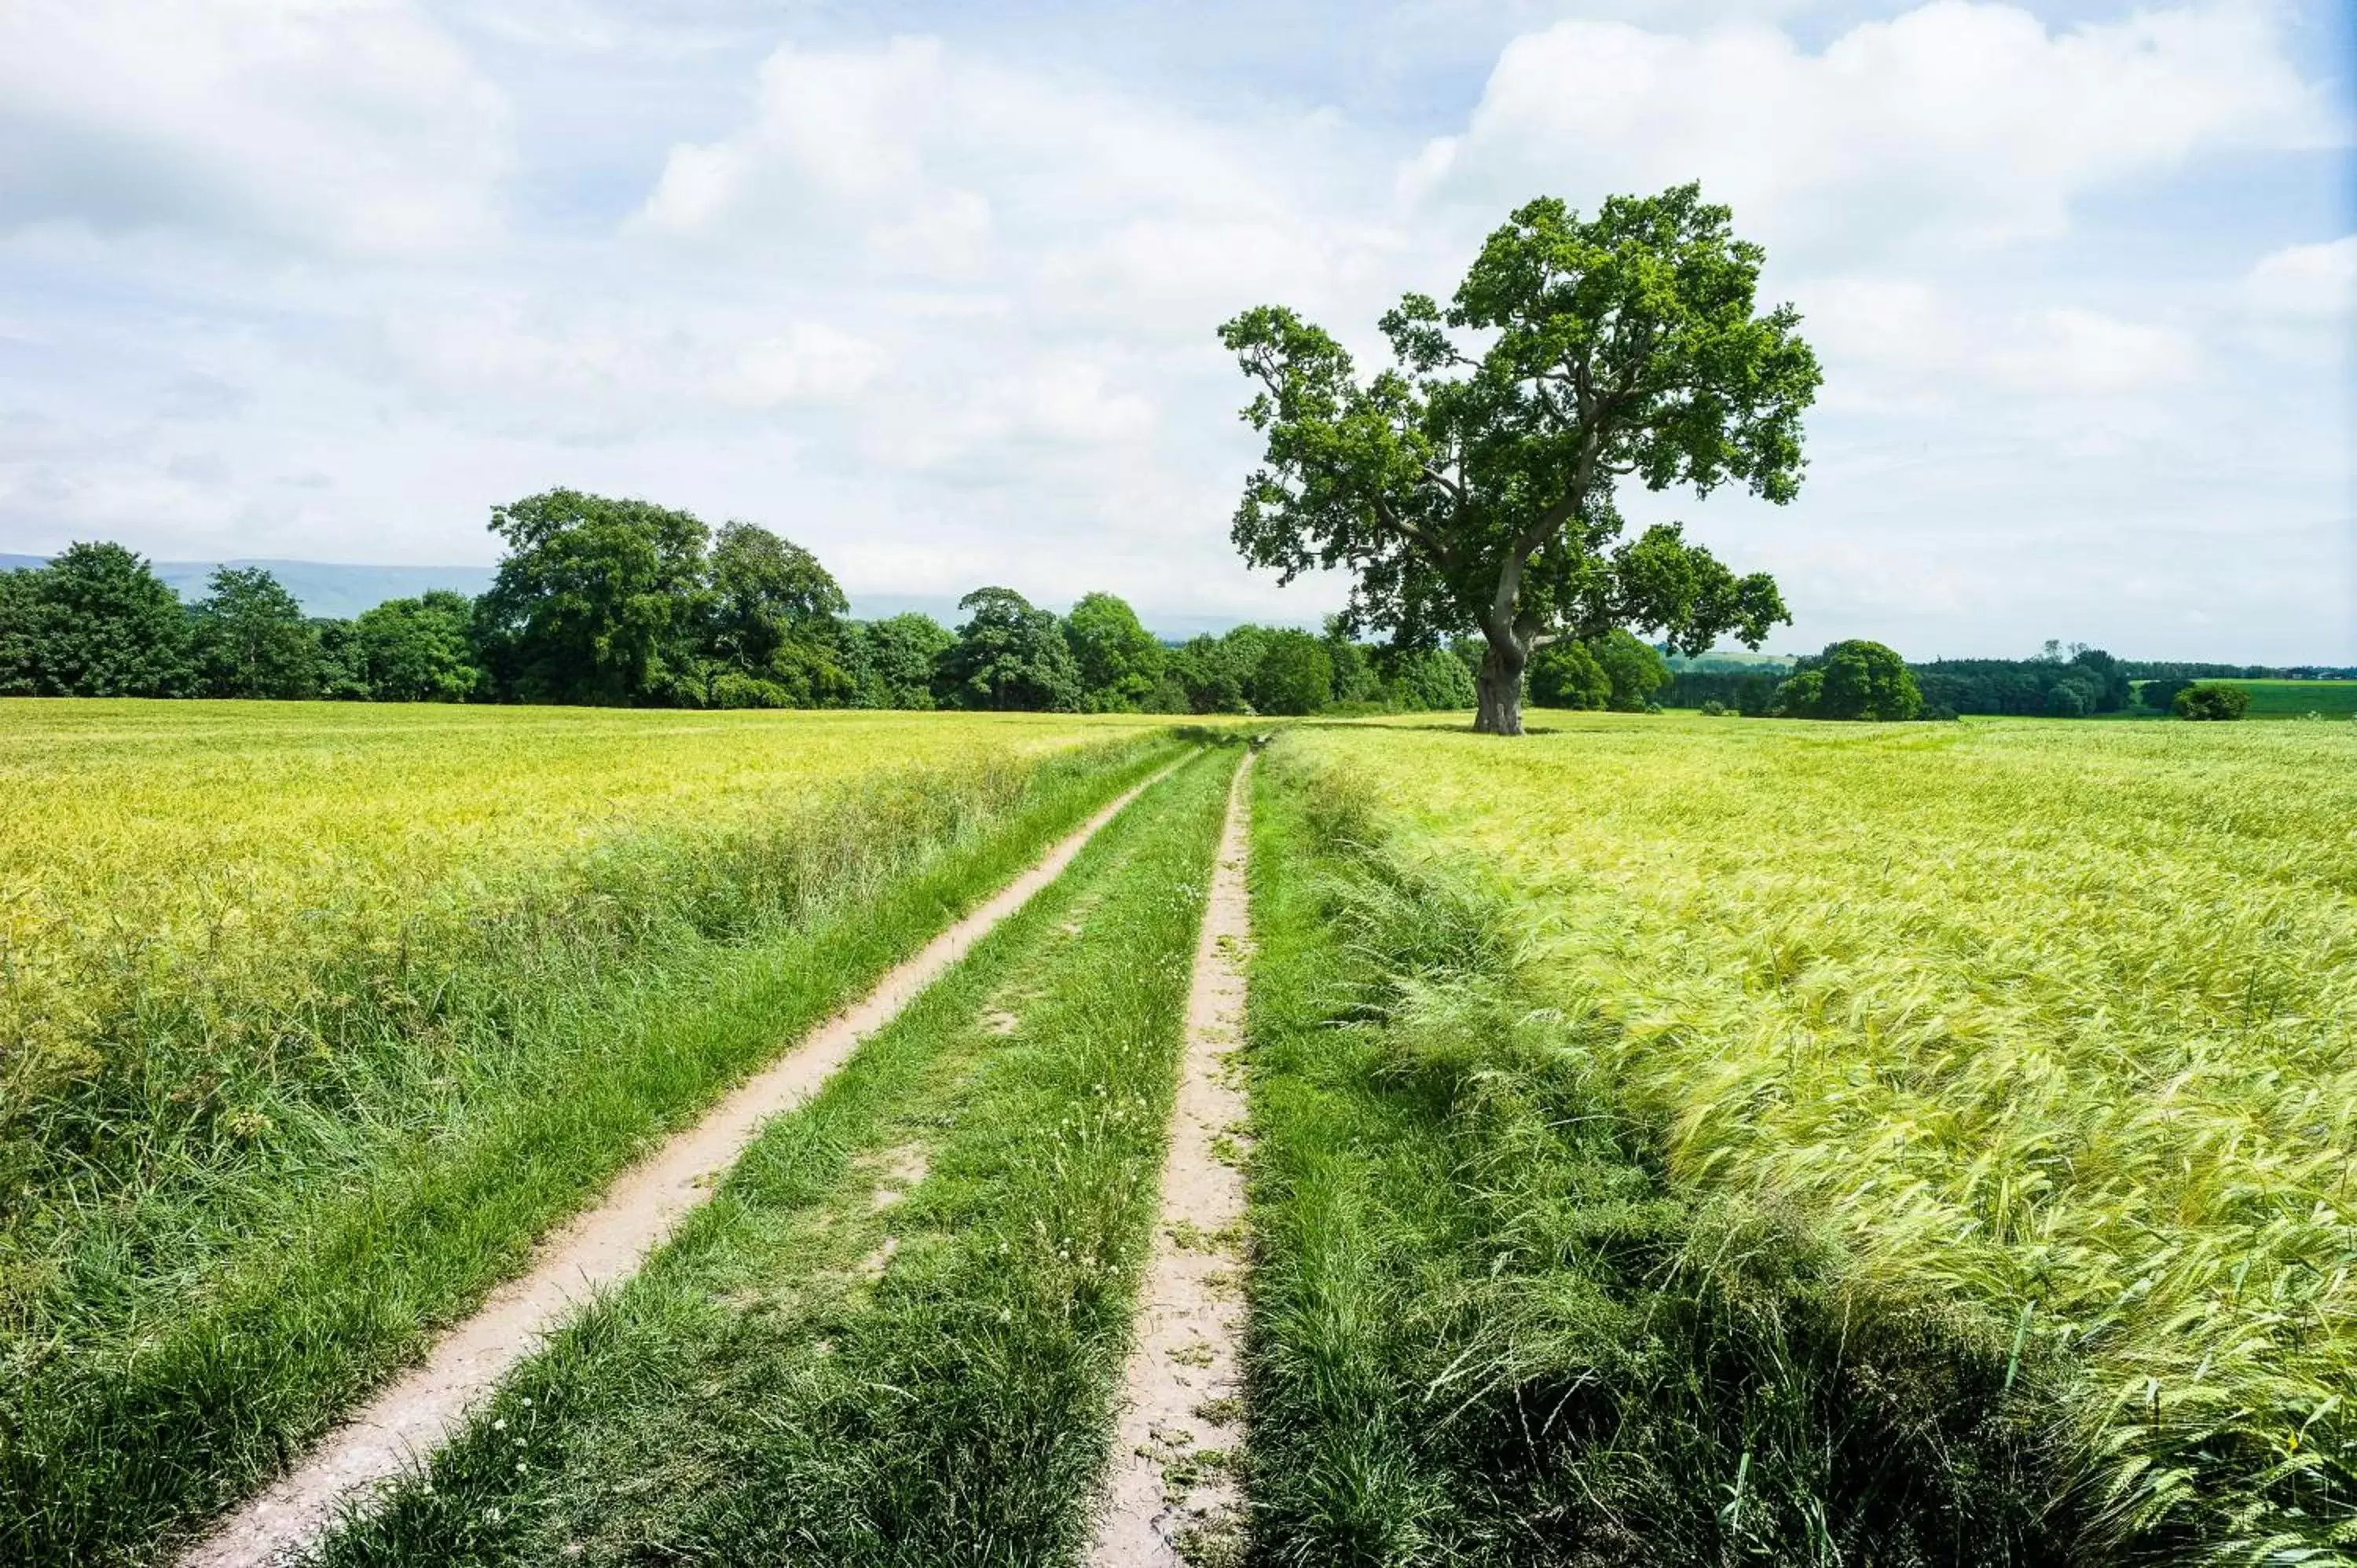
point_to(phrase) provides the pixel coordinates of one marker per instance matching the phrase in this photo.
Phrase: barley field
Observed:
(224, 852)
(313, 1016)
(2053, 1021)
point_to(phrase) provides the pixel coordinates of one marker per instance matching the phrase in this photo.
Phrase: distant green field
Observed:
(2295, 698)
(2290, 699)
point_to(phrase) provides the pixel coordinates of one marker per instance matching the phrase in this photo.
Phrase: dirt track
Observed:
(598, 1247)
(1170, 1486)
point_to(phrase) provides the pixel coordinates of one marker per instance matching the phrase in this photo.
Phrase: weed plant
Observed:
(196, 1278)
(2048, 1025)
(892, 1336)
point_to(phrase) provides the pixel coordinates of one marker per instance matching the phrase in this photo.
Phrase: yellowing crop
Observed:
(2059, 1020)
(215, 861)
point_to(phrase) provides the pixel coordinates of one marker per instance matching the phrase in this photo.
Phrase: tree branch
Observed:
(1387, 518)
(1446, 483)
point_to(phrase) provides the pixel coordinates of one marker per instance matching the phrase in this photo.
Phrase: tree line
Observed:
(1866, 680)
(625, 603)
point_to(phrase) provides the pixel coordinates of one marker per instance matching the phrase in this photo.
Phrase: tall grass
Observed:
(302, 1145)
(200, 901)
(1487, 1329)
(807, 1374)
(2051, 1023)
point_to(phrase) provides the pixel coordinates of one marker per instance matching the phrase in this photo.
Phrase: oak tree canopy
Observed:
(1471, 486)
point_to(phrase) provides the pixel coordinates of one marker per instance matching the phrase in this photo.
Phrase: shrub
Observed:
(1296, 675)
(1866, 680)
(2213, 704)
(1714, 709)
(1566, 675)
(738, 691)
(1798, 697)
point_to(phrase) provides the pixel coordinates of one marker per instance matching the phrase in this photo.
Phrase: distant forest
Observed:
(2058, 681)
(626, 603)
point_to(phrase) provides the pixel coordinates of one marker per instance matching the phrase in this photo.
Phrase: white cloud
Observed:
(2311, 288)
(2085, 353)
(639, 367)
(1891, 344)
(913, 163)
(1952, 123)
(350, 125)
(2298, 307)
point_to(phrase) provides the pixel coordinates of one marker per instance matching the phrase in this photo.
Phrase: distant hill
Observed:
(1731, 661)
(343, 589)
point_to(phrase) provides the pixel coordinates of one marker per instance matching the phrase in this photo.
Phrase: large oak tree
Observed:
(1471, 486)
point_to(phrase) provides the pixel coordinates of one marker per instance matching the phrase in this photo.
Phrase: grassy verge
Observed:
(892, 1337)
(1485, 1327)
(183, 1375)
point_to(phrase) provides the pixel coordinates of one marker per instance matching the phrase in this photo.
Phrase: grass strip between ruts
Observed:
(1486, 1329)
(893, 1335)
(106, 1456)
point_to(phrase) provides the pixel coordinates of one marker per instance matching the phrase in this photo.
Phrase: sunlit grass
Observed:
(2053, 1020)
(230, 846)
(893, 1335)
(314, 1017)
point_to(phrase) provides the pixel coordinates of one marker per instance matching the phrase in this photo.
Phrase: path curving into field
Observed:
(600, 1247)
(1171, 1486)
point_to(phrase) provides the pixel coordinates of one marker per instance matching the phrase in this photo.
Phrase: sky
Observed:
(932, 289)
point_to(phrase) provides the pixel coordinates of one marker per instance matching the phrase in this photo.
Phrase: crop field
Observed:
(312, 1016)
(2298, 699)
(1670, 1139)
(2033, 1040)
(743, 1401)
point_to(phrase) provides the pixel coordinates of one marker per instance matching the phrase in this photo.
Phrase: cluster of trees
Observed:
(1853, 679)
(1614, 672)
(2061, 683)
(97, 622)
(622, 602)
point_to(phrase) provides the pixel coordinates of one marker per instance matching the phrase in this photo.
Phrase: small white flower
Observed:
(500, 1425)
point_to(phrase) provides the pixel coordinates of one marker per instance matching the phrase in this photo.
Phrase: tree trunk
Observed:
(1500, 685)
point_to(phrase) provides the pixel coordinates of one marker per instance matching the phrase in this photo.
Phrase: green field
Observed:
(2294, 699)
(313, 1016)
(2298, 699)
(1674, 1140)
(2046, 1025)
(1030, 1090)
